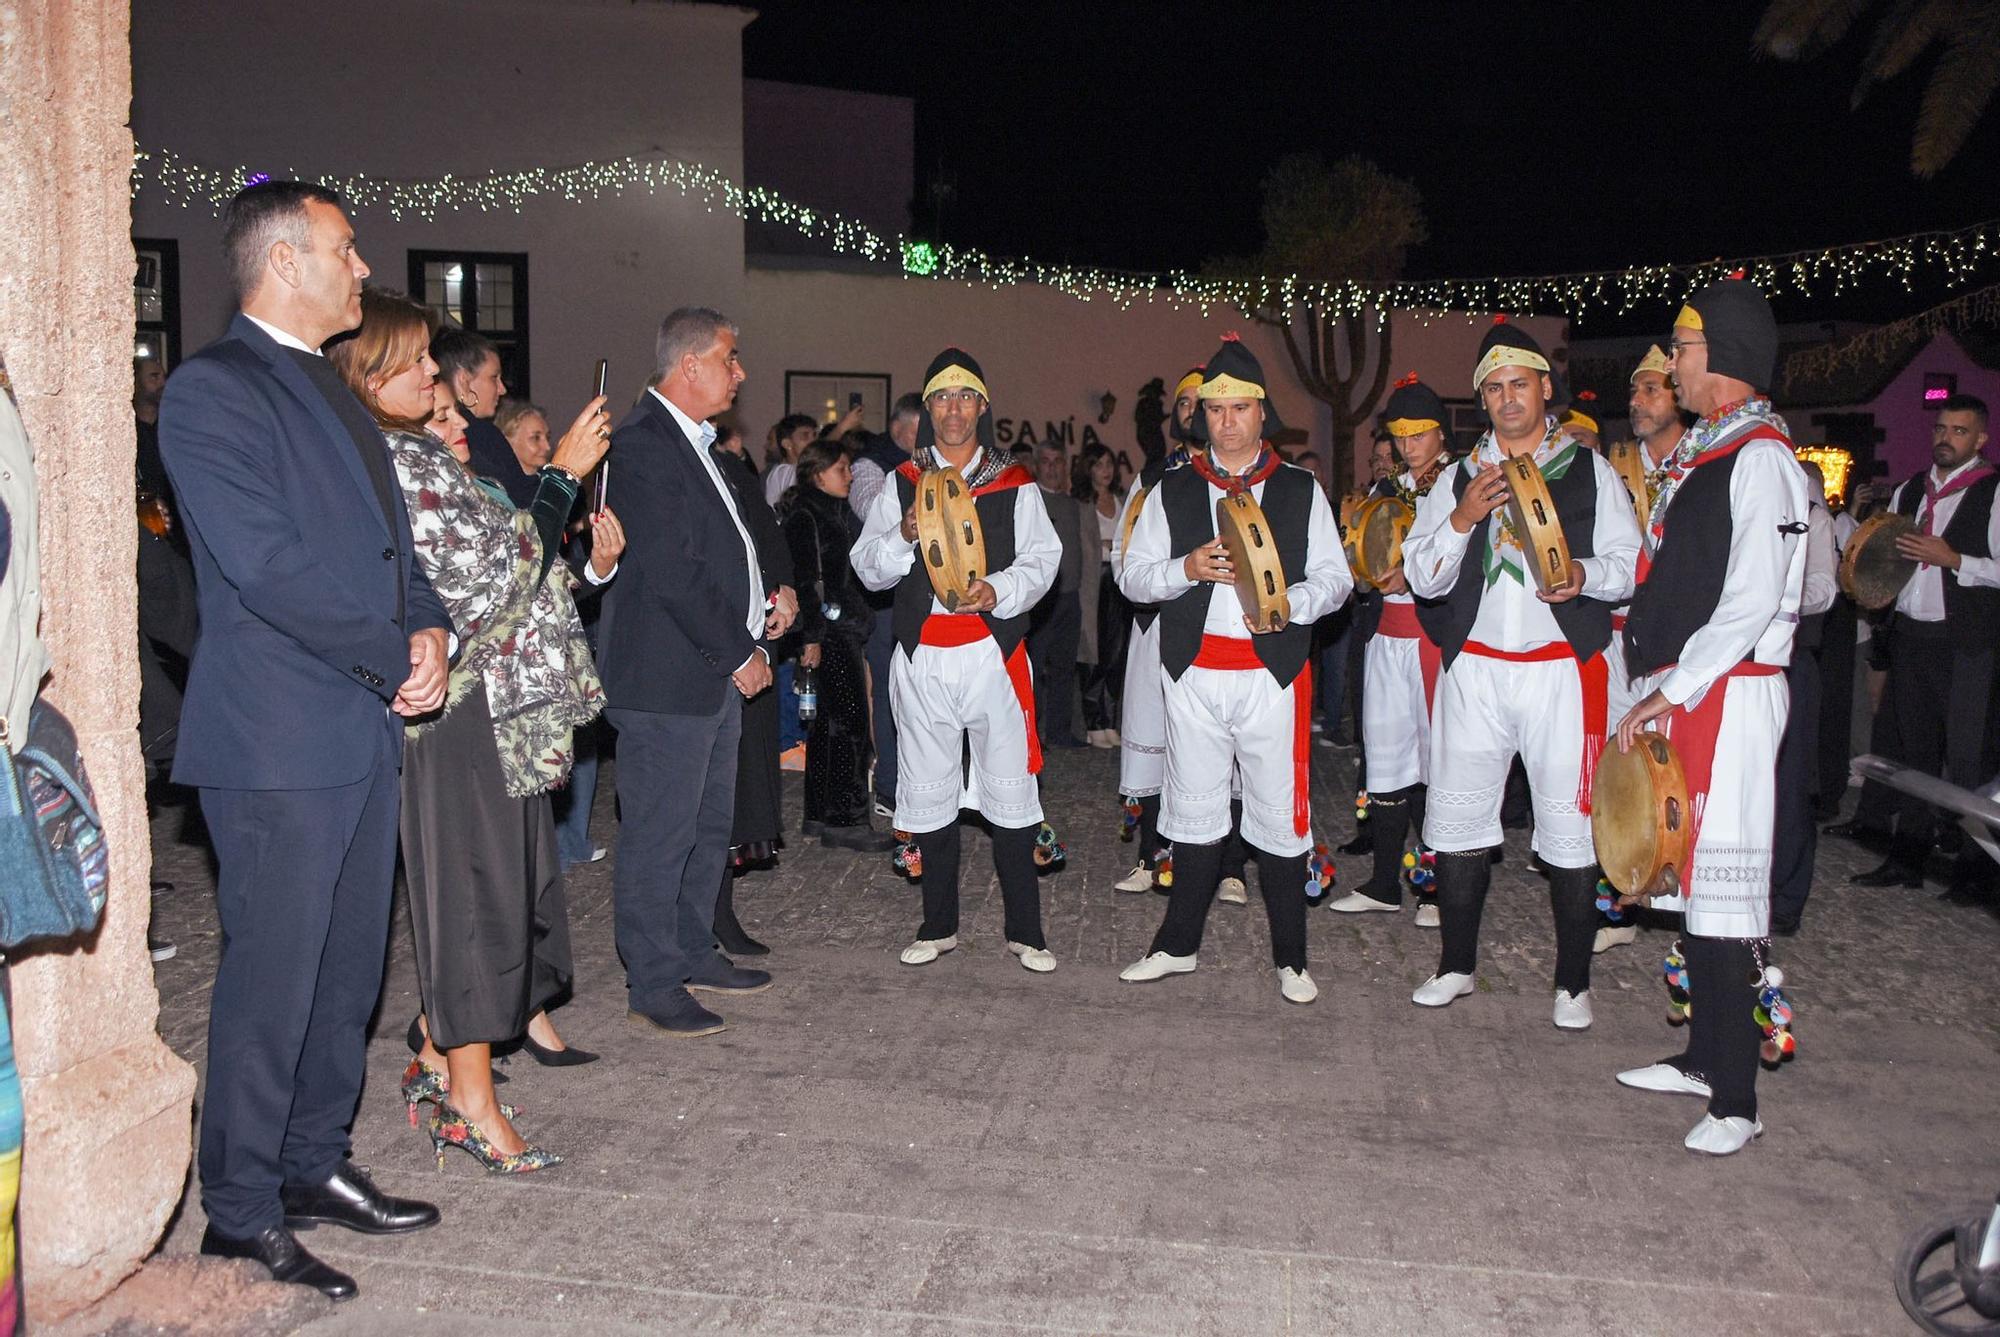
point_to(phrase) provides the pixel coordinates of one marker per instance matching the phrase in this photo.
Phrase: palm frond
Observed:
(1802, 29)
(1902, 35)
(1959, 91)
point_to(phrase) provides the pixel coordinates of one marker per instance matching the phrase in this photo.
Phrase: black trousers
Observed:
(1197, 869)
(1463, 879)
(1836, 704)
(676, 802)
(1723, 1034)
(303, 891)
(1795, 835)
(1013, 861)
(1941, 690)
(1054, 629)
(1104, 681)
(881, 716)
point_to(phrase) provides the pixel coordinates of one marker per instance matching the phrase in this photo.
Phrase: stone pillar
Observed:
(107, 1103)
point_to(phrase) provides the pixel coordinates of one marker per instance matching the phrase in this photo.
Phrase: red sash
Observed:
(1694, 733)
(949, 630)
(1593, 680)
(1399, 620)
(1239, 653)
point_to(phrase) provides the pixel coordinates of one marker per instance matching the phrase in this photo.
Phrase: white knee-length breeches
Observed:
(1142, 721)
(946, 697)
(1223, 723)
(1395, 720)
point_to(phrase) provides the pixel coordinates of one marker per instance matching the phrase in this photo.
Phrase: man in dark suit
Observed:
(683, 633)
(319, 635)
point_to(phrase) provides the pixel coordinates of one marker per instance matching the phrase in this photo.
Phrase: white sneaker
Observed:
(1231, 891)
(1359, 903)
(1296, 985)
(1105, 738)
(1722, 1137)
(1573, 1010)
(1038, 959)
(1157, 965)
(1427, 915)
(926, 950)
(1139, 879)
(1441, 990)
(1614, 935)
(1664, 1077)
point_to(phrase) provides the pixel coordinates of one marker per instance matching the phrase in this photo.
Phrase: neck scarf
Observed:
(1554, 456)
(1933, 493)
(1260, 469)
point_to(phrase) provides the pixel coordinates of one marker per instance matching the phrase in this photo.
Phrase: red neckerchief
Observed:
(1933, 494)
(1677, 471)
(1013, 476)
(1266, 464)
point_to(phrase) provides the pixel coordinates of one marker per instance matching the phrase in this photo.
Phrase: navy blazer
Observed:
(296, 574)
(675, 622)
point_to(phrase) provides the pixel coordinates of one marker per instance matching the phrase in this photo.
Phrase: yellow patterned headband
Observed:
(1402, 427)
(1689, 317)
(956, 377)
(1502, 356)
(1655, 360)
(1583, 420)
(1226, 386)
(1191, 381)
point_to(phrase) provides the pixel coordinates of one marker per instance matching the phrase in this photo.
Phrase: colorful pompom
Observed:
(1320, 873)
(1607, 901)
(1420, 869)
(1129, 824)
(1163, 867)
(1679, 1001)
(909, 858)
(1048, 850)
(1360, 805)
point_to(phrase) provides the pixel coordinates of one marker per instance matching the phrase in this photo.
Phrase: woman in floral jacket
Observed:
(479, 846)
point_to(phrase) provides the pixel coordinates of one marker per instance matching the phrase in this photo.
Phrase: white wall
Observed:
(416, 88)
(1048, 357)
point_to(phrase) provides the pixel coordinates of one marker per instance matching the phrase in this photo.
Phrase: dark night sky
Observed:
(1543, 138)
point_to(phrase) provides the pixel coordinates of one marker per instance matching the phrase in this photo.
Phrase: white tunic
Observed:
(1142, 709)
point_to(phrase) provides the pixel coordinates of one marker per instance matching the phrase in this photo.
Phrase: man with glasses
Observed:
(961, 675)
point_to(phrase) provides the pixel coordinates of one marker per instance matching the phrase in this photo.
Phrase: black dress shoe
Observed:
(719, 974)
(859, 837)
(348, 1197)
(569, 1056)
(679, 1016)
(1784, 928)
(1890, 873)
(288, 1260)
(1858, 831)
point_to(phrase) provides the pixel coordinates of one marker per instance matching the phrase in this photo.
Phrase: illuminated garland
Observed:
(1957, 254)
(1981, 307)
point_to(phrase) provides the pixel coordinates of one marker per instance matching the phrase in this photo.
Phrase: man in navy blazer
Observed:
(683, 644)
(319, 636)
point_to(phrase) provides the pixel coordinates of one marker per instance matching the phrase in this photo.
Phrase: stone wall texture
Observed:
(107, 1104)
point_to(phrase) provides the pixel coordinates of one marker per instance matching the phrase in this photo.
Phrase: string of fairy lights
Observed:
(1953, 256)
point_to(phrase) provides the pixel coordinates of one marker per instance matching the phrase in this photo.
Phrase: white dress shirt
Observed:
(1756, 615)
(882, 556)
(288, 340)
(865, 479)
(1822, 564)
(1154, 573)
(703, 436)
(1923, 597)
(1511, 617)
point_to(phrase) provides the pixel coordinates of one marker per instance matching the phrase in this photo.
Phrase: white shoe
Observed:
(1359, 903)
(1573, 1010)
(1664, 1077)
(926, 950)
(1038, 959)
(1296, 985)
(1614, 935)
(1106, 738)
(1722, 1137)
(1139, 879)
(1427, 915)
(1442, 990)
(884, 811)
(1157, 965)
(1231, 891)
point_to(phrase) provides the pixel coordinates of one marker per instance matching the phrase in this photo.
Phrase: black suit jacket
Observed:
(674, 626)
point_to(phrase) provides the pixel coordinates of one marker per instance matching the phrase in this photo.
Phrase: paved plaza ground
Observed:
(969, 1148)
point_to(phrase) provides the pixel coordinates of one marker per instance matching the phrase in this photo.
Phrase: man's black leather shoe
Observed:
(679, 1015)
(719, 974)
(287, 1259)
(349, 1198)
(1872, 837)
(1891, 873)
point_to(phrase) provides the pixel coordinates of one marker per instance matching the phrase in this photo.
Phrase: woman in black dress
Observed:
(834, 621)
(486, 902)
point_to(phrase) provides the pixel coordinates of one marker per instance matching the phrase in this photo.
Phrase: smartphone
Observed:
(854, 400)
(601, 487)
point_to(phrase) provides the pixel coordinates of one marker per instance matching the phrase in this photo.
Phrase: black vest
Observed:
(912, 602)
(1972, 610)
(1584, 622)
(1190, 512)
(1684, 584)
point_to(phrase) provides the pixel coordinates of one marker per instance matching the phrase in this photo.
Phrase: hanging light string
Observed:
(1979, 307)
(1955, 255)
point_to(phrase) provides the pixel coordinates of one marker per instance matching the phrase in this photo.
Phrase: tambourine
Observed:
(1533, 512)
(1253, 555)
(949, 539)
(1351, 503)
(1871, 570)
(1375, 539)
(1131, 521)
(1640, 818)
(1628, 460)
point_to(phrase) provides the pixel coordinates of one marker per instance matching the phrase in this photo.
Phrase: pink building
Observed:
(1880, 403)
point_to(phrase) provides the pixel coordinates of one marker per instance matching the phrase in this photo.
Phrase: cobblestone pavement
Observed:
(969, 1147)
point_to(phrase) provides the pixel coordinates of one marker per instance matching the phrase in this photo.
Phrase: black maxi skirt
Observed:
(837, 746)
(487, 908)
(759, 799)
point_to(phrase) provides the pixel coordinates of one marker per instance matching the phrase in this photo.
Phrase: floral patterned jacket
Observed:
(518, 636)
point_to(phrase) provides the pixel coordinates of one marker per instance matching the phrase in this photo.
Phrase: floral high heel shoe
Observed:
(422, 1082)
(449, 1128)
